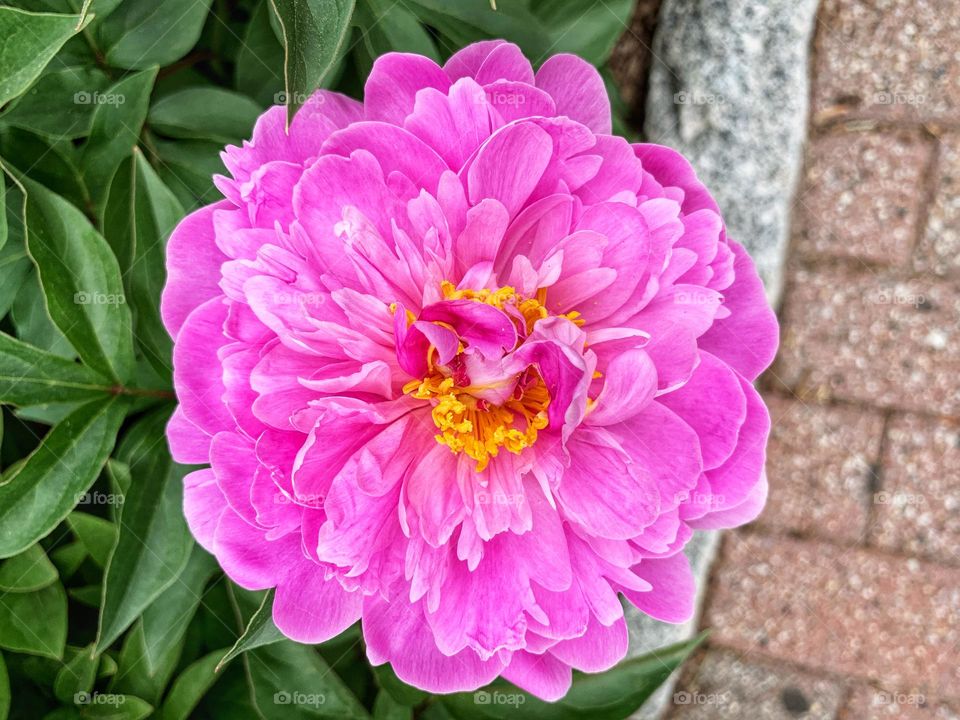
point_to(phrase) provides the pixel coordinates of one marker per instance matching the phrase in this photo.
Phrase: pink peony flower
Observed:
(465, 367)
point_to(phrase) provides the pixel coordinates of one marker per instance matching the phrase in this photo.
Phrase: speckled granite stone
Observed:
(728, 88)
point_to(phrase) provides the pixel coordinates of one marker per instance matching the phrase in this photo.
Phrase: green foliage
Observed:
(113, 114)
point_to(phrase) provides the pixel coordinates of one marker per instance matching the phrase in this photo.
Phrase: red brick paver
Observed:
(848, 611)
(889, 59)
(824, 458)
(859, 198)
(870, 703)
(851, 577)
(917, 509)
(881, 339)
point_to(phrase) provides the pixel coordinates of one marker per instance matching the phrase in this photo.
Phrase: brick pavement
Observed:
(842, 602)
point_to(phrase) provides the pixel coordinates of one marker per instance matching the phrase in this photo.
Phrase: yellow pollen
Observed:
(478, 429)
(469, 424)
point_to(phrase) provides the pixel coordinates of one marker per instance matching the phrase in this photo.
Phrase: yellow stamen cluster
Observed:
(479, 429)
(532, 309)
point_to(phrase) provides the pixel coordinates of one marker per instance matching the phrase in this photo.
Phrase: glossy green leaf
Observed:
(386, 708)
(97, 535)
(115, 131)
(133, 677)
(466, 21)
(139, 34)
(205, 113)
(19, 629)
(61, 103)
(141, 213)
(76, 676)
(260, 631)
(29, 376)
(188, 689)
(37, 495)
(121, 707)
(4, 690)
(312, 34)
(81, 283)
(611, 695)
(33, 323)
(187, 167)
(165, 621)
(68, 559)
(259, 68)
(30, 40)
(399, 690)
(392, 27)
(29, 571)
(52, 164)
(290, 681)
(155, 543)
(589, 30)
(3, 211)
(14, 262)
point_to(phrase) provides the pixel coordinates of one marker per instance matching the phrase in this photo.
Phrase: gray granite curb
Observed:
(729, 89)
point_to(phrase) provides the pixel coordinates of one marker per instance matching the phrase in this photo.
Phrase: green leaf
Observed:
(397, 688)
(260, 631)
(29, 376)
(19, 630)
(61, 103)
(313, 32)
(30, 40)
(81, 282)
(52, 164)
(612, 695)
(141, 213)
(139, 34)
(133, 677)
(33, 323)
(391, 27)
(189, 688)
(187, 167)
(259, 65)
(589, 30)
(14, 261)
(466, 21)
(68, 559)
(3, 212)
(290, 681)
(29, 571)
(386, 708)
(155, 543)
(115, 132)
(97, 535)
(165, 621)
(76, 676)
(4, 690)
(37, 495)
(121, 707)
(205, 113)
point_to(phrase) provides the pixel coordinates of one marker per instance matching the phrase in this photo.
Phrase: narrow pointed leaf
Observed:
(29, 571)
(312, 35)
(30, 376)
(81, 283)
(37, 495)
(154, 544)
(165, 621)
(260, 631)
(18, 631)
(189, 688)
(30, 40)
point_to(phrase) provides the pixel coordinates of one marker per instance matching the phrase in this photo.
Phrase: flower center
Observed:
(468, 422)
